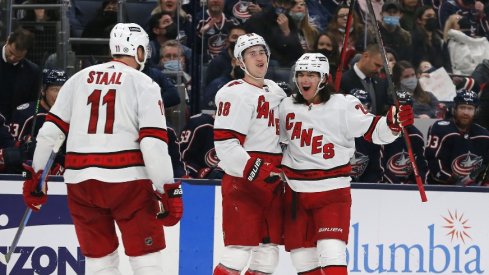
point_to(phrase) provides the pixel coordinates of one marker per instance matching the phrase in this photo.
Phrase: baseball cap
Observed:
(391, 5)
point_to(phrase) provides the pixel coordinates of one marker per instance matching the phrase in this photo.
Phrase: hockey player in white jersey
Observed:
(319, 128)
(246, 139)
(113, 117)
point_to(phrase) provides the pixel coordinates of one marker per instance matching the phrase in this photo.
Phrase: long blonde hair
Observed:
(310, 30)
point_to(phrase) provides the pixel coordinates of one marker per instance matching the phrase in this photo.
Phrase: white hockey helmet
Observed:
(126, 38)
(249, 40)
(312, 62)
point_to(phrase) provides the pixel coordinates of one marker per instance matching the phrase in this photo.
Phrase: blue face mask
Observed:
(391, 20)
(297, 16)
(279, 10)
(172, 65)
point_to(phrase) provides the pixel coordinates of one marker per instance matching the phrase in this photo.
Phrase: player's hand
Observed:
(397, 118)
(210, 173)
(172, 204)
(33, 197)
(257, 169)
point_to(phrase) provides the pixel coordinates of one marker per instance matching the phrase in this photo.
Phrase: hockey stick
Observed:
(339, 69)
(375, 25)
(5, 258)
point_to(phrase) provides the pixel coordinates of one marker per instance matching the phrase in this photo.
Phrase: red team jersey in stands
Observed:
(107, 110)
(320, 140)
(246, 123)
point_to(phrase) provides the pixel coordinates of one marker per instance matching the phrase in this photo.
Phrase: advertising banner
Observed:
(391, 232)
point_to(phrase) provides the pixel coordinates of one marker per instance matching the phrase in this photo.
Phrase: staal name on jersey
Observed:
(104, 78)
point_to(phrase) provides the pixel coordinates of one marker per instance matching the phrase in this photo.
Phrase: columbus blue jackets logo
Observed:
(211, 159)
(400, 165)
(359, 163)
(240, 10)
(466, 163)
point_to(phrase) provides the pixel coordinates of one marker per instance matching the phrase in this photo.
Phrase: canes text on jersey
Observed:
(306, 137)
(263, 111)
(104, 78)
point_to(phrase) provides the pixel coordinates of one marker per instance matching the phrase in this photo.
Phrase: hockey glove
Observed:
(172, 204)
(33, 197)
(210, 173)
(397, 118)
(257, 169)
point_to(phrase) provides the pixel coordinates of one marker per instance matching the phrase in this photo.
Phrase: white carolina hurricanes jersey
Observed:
(246, 123)
(320, 140)
(114, 118)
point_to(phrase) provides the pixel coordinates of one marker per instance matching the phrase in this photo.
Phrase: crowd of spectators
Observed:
(197, 42)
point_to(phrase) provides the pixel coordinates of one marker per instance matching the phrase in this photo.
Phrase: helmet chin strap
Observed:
(317, 88)
(243, 67)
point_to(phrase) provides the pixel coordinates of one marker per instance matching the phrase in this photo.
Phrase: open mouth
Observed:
(306, 88)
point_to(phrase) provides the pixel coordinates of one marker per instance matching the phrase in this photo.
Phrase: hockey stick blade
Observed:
(5, 258)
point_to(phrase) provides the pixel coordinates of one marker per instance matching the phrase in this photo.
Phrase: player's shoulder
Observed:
(479, 130)
(275, 88)
(199, 120)
(232, 89)
(442, 127)
(25, 106)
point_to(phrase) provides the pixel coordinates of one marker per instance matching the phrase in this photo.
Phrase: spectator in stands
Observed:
(465, 50)
(221, 64)
(391, 56)
(366, 160)
(172, 59)
(161, 28)
(216, 84)
(408, 11)
(19, 77)
(327, 45)
(319, 13)
(457, 148)
(393, 35)
(38, 15)
(425, 104)
(427, 39)
(308, 33)
(395, 160)
(182, 20)
(212, 29)
(449, 8)
(280, 32)
(337, 28)
(242, 10)
(364, 76)
(100, 27)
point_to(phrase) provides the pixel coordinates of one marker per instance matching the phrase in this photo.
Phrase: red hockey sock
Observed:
(316, 271)
(251, 272)
(335, 270)
(222, 270)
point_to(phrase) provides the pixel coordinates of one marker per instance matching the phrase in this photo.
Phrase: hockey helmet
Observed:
(363, 96)
(53, 77)
(465, 96)
(312, 62)
(248, 40)
(126, 38)
(404, 97)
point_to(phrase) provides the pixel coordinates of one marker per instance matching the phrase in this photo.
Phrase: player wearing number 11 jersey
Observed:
(113, 117)
(320, 128)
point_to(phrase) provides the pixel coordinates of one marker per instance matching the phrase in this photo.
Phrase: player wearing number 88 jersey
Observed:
(113, 116)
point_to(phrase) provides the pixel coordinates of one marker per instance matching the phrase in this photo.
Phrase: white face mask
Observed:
(410, 83)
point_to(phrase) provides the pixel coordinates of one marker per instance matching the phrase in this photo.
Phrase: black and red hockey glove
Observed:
(397, 118)
(33, 197)
(257, 169)
(172, 203)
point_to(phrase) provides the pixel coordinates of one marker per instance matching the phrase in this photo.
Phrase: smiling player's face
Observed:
(308, 83)
(256, 60)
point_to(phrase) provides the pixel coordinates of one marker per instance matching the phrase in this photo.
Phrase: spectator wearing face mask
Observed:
(424, 103)
(308, 32)
(172, 59)
(393, 35)
(100, 27)
(161, 28)
(327, 45)
(427, 38)
(221, 64)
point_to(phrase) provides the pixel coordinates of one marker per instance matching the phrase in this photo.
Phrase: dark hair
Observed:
(325, 92)
(420, 11)
(154, 21)
(22, 38)
(419, 95)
